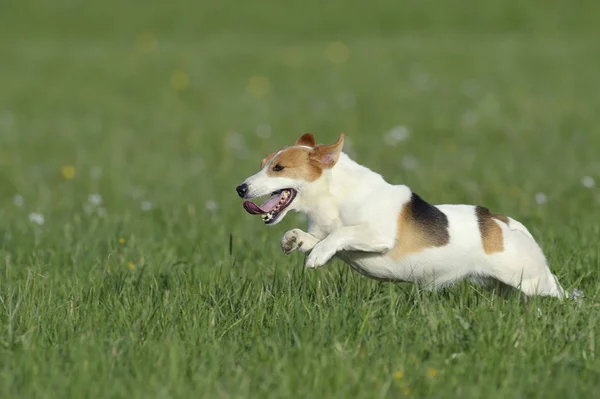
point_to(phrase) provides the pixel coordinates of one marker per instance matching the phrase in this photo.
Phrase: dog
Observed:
(388, 232)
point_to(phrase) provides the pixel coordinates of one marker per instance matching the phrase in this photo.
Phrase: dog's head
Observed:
(286, 174)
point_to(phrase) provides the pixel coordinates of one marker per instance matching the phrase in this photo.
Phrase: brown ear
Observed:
(307, 140)
(327, 155)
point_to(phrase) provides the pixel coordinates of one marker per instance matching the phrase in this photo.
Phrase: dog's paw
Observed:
(320, 255)
(291, 241)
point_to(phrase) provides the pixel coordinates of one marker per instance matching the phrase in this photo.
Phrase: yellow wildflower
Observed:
(398, 374)
(258, 86)
(145, 42)
(131, 266)
(121, 240)
(68, 172)
(338, 53)
(180, 80)
(431, 372)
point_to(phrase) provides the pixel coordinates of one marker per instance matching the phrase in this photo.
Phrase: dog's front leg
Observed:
(296, 239)
(351, 238)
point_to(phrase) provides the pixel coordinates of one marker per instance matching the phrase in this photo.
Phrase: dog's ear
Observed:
(307, 140)
(327, 155)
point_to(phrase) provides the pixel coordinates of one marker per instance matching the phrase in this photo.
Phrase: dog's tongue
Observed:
(266, 207)
(252, 208)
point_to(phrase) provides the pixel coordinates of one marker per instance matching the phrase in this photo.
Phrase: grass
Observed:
(168, 289)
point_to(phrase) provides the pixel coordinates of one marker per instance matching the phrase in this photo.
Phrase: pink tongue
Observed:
(252, 208)
(267, 206)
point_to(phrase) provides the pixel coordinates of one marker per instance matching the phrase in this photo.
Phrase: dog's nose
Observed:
(242, 189)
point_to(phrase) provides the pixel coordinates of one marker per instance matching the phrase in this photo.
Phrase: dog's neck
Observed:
(323, 199)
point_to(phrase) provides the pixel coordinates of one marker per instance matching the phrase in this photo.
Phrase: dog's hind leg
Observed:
(522, 263)
(541, 283)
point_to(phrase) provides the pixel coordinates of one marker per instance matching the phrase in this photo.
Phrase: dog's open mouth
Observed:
(272, 207)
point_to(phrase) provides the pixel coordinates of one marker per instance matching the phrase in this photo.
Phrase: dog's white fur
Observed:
(353, 214)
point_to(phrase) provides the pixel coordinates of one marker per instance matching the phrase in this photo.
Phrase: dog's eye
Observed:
(278, 168)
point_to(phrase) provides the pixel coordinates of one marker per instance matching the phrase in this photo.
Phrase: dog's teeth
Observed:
(267, 216)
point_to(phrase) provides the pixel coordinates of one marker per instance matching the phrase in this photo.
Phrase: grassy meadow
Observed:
(128, 268)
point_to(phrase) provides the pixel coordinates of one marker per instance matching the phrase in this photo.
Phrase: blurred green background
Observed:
(125, 127)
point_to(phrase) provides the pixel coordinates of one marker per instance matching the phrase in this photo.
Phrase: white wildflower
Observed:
(146, 206)
(588, 181)
(235, 141)
(577, 296)
(95, 199)
(396, 135)
(263, 130)
(409, 162)
(36, 218)
(211, 205)
(135, 192)
(19, 200)
(541, 198)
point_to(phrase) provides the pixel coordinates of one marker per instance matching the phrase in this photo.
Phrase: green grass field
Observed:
(128, 268)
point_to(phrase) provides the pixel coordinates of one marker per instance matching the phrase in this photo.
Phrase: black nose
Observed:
(242, 189)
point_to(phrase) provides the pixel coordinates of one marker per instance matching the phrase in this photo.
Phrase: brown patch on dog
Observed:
(491, 233)
(267, 159)
(307, 140)
(420, 225)
(296, 163)
(300, 162)
(501, 218)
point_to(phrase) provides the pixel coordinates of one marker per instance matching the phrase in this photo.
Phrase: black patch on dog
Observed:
(431, 222)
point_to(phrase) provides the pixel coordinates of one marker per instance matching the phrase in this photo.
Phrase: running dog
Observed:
(388, 232)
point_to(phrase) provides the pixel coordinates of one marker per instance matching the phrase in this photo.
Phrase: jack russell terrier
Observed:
(387, 232)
